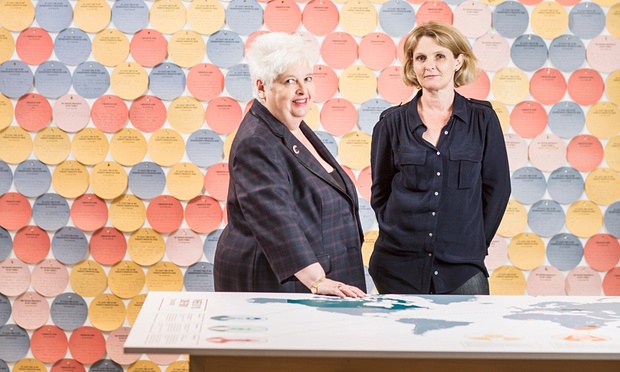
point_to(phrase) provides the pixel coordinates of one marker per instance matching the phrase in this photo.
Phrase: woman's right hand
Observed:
(342, 290)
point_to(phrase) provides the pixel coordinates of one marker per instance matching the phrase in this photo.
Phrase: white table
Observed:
(296, 332)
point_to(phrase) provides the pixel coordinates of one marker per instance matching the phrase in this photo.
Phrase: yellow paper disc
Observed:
(7, 47)
(168, 16)
(186, 48)
(91, 16)
(164, 276)
(357, 83)
(358, 17)
(90, 146)
(612, 153)
(354, 150)
(584, 218)
(29, 365)
(206, 16)
(15, 144)
(526, 251)
(52, 145)
(134, 307)
(166, 147)
(126, 279)
(178, 366)
(312, 117)
(16, 15)
(370, 237)
(605, 2)
(514, 220)
(128, 147)
(127, 213)
(507, 281)
(108, 180)
(612, 84)
(143, 365)
(106, 312)
(110, 47)
(549, 20)
(603, 186)
(603, 120)
(87, 278)
(510, 85)
(6, 112)
(70, 179)
(613, 20)
(185, 181)
(146, 246)
(228, 144)
(129, 80)
(502, 113)
(186, 114)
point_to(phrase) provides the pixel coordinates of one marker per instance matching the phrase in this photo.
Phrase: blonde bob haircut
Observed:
(271, 54)
(447, 37)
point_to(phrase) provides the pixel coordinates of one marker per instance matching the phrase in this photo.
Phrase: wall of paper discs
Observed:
(116, 118)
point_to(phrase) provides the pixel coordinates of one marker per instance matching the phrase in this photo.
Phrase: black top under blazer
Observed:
(285, 212)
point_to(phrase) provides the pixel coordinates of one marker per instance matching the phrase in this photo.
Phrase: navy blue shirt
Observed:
(438, 207)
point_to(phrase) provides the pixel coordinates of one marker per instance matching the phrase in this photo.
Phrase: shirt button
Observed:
(438, 174)
(433, 213)
(438, 153)
(436, 272)
(446, 133)
(430, 234)
(430, 255)
(436, 193)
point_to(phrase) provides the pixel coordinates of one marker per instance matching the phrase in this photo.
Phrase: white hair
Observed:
(271, 54)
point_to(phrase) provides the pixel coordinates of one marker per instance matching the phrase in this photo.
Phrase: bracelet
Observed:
(314, 288)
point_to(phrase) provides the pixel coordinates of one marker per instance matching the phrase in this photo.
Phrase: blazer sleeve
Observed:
(495, 176)
(264, 193)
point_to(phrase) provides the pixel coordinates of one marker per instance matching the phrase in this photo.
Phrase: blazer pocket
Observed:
(412, 167)
(465, 165)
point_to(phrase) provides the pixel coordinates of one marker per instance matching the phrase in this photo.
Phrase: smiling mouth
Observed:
(300, 101)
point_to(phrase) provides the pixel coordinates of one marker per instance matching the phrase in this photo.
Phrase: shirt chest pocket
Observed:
(412, 166)
(464, 168)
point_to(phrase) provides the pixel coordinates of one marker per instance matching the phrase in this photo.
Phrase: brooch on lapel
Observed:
(295, 149)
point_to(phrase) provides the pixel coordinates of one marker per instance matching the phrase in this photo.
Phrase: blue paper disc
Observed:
(5, 310)
(567, 53)
(32, 178)
(238, 82)
(69, 245)
(204, 148)
(612, 219)
(130, 16)
(167, 81)
(6, 244)
(329, 141)
(91, 79)
(72, 46)
(225, 49)
(199, 277)
(52, 79)
(15, 78)
(367, 215)
(566, 119)
(546, 218)
(6, 177)
(369, 112)
(69, 311)
(210, 244)
(146, 180)
(528, 185)
(529, 52)
(396, 17)
(53, 15)
(14, 342)
(565, 185)
(51, 212)
(586, 20)
(244, 16)
(105, 365)
(510, 19)
(564, 251)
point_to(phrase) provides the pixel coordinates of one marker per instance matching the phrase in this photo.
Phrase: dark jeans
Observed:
(476, 285)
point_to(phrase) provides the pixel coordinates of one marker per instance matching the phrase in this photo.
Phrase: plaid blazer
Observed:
(285, 212)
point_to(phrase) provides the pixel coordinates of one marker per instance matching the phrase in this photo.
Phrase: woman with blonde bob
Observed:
(293, 223)
(440, 176)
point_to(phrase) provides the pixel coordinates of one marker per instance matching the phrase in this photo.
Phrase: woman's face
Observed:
(290, 96)
(434, 65)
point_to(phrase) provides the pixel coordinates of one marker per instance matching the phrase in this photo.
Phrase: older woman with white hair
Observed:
(293, 222)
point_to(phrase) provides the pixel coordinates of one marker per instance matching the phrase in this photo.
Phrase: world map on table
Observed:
(573, 315)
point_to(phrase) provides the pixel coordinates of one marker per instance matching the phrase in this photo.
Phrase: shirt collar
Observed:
(459, 109)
